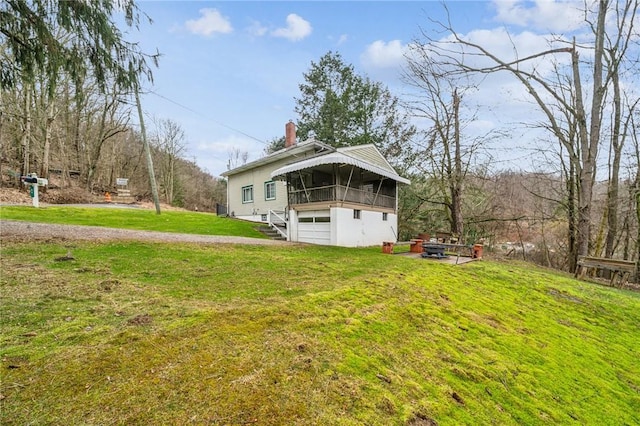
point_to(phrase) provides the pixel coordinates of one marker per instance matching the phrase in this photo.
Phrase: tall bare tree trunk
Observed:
(589, 138)
(26, 135)
(44, 168)
(572, 217)
(614, 176)
(457, 223)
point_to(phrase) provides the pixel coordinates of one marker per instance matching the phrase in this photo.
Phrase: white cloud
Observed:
(215, 154)
(210, 22)
(384, 55)
(225, 144)
(257, 29)
(550, 15)
(297, 28)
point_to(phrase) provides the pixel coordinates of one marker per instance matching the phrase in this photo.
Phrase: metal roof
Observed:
(292, 151)
(366, 157)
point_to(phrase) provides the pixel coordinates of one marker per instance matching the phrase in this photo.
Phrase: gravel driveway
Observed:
(10, 229)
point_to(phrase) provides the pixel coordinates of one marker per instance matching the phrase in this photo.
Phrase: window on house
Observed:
(247, 194)
(319, 219)
(269, 190)
(356, 214)
(385, 216)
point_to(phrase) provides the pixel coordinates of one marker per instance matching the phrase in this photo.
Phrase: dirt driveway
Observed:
(10, 229)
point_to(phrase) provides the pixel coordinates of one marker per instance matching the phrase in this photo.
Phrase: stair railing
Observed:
(278, 222)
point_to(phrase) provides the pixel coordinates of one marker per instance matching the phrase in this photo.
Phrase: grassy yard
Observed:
(127, 218)
(141, 333)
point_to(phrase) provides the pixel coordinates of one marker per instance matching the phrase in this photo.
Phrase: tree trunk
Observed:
(44, 169)
(572, 219)
(26, 135)
(457, 223)
(588, 138)
(612, 192)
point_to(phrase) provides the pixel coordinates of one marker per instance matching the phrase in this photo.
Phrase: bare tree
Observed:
(581, 146)
(170, 145)
(450, 154)
(634, 188)
(237, 158)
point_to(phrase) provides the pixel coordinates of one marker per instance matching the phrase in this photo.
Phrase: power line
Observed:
(208, 118)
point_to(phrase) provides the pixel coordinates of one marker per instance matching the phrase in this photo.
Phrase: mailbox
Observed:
(34, 182)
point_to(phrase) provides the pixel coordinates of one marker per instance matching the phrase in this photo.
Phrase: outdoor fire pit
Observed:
(433, 250)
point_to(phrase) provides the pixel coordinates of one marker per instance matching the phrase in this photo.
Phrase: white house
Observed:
(311, 192)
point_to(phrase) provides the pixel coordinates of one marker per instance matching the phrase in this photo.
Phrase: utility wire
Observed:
(208, 118)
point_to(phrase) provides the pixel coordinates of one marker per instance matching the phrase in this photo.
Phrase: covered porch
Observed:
(338, 179)
(347, 197)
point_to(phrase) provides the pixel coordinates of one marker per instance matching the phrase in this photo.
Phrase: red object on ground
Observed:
(416, 246)
(477, 251)
(387, 247)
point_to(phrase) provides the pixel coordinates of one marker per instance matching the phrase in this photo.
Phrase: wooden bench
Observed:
(621, 269)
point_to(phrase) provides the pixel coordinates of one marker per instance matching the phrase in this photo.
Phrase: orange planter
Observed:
(477, 251)
(387, 247)
(416, 246)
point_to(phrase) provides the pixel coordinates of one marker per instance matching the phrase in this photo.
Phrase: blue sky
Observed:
(230, 70)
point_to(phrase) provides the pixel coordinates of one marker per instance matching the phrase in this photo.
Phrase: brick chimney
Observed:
(290, 134)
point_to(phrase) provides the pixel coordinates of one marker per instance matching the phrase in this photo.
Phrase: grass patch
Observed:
(147, 220)
(145, 333)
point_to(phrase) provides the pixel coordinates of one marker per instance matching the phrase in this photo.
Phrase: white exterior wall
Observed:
(369, 230)
(345, 231)
(292, 226)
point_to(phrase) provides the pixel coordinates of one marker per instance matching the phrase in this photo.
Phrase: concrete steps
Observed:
(271, 233)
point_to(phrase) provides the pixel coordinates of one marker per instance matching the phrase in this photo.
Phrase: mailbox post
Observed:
(34, 182)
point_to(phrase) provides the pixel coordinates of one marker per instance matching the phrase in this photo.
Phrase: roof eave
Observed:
(324, 160)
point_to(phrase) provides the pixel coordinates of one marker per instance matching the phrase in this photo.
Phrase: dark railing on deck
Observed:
(340, 193)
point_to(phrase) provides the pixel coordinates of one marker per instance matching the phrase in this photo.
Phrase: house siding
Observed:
(260, 205)
(257, 177)
(319, 218)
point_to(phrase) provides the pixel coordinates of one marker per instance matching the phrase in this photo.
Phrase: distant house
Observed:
(314, 193)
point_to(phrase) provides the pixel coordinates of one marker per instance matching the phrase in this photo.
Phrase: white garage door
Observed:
(315, 229)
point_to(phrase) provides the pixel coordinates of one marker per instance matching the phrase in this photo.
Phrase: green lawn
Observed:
(143, 333)
(127, 218)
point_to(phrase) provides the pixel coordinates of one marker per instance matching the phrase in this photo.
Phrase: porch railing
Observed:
(340, 193)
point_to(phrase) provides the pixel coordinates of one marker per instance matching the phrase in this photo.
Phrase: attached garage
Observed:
(314, 227)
